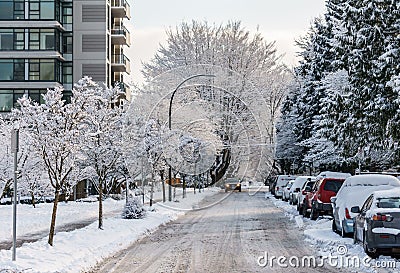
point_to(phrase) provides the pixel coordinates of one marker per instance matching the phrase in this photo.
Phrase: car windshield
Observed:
(393, 202)
(333, 185)
(309, 184)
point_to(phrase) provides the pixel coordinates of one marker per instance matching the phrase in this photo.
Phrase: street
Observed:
(227, 237)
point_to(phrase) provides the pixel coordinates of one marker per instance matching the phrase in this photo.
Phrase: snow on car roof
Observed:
(387, 193)
(329, 174)
(371, 180)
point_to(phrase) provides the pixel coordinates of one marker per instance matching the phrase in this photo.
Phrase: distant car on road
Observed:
(233, 184)
(377, 225)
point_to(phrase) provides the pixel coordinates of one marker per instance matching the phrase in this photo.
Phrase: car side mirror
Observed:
(297, 190)
(333, 199)
(355, 209)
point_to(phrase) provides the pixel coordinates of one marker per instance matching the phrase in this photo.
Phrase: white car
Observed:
(297, 186)
(286, 190)
(281, 182)
(354, 191)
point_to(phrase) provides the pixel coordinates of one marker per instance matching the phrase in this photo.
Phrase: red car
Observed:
(318, 201)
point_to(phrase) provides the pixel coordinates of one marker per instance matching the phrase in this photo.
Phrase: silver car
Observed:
(377, 225)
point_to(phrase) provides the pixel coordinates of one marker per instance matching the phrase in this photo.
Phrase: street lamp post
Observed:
(169, 125)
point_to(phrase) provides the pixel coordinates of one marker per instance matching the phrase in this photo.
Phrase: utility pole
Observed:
(14, 148)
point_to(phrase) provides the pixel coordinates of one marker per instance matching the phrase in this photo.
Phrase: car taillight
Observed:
(347, 214)
(382, 217)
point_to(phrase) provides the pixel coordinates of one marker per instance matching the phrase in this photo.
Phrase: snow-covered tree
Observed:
(54, 128)
(242, 99)
(102, 127)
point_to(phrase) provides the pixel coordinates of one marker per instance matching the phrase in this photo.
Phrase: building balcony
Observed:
(120, 63)
(120, 9)
(121, 36)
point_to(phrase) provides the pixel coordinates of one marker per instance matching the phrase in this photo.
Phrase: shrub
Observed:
(134, 209)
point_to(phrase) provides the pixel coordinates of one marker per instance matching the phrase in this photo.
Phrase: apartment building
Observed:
(44, 43)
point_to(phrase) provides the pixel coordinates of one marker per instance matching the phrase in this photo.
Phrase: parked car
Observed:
(354, 191)
(303, 192)
(318, 202)
(286, 190)
(281, 182)
(296, 187)
(319, 195)
(377, 225)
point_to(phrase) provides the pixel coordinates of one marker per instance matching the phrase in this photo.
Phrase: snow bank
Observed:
(81, 249)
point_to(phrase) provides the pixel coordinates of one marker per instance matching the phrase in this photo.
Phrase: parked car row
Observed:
(366, 207)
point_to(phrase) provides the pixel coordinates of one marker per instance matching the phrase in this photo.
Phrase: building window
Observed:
(6, 100)
(67, 13)
(44, 70)
(12, 69)
(19, 39)
(67, 43)
(41, 10)
(67, 73)
(6, 39)
(9, 98)
(42, 39)
(12, 10)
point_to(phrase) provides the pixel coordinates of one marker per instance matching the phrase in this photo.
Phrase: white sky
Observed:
(278, 20)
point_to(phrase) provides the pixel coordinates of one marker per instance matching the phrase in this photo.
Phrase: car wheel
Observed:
(305, 212)
(373, 253)
(300, 209)
(314, 213)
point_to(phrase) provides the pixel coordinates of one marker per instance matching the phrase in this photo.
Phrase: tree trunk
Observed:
(101, 205)
(53, 217)
(163, 186)
(183, 187)
(33, 200)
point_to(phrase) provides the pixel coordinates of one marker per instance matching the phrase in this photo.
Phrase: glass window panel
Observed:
(6, 10)
(19, 10)
(6, 70)
(47, 40)
(34, 95)
(6, 100)
(6, 40)
(46, 71)
(19, 70)
(47, 10)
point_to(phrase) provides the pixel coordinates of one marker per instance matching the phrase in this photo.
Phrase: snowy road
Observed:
(227, 237)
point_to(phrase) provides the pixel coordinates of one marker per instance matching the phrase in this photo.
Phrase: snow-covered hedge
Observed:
(134, 209)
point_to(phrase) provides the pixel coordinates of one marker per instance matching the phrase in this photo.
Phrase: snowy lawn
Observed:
(33, 220)
(321, 238)
(81, 249)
